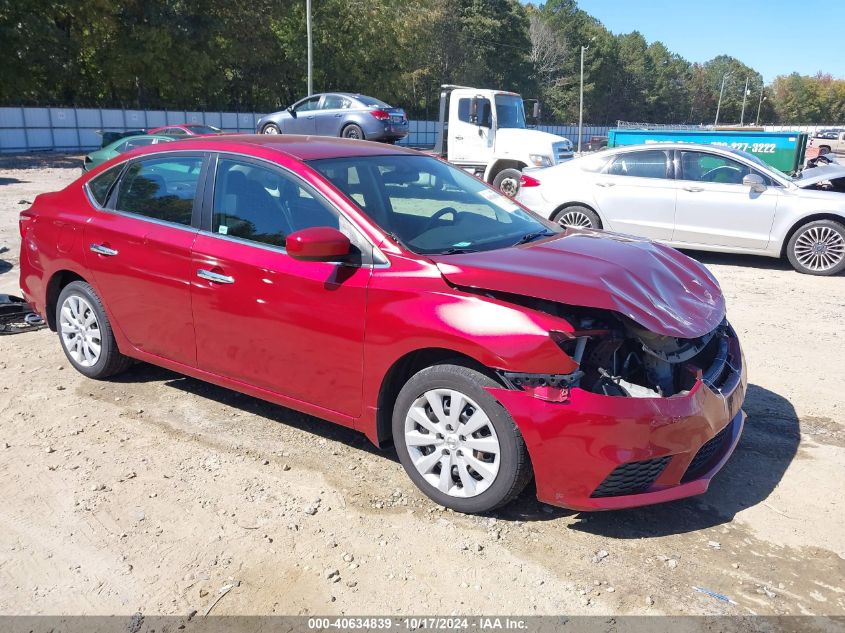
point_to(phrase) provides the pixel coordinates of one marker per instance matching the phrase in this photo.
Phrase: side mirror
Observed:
(755, 181)
(536, 111)
(473, 110)
(318, 244)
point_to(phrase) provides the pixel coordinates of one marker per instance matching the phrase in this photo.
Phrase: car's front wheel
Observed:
(818, 248)
(271, 128)
(457, 442)
(86, 334)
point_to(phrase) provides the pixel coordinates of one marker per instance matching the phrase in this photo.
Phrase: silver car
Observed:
(700, 197)
(339, 114)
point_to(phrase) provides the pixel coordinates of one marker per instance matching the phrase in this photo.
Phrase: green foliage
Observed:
(218, 54)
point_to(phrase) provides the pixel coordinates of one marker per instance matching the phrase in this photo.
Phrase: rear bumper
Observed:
(598, 452)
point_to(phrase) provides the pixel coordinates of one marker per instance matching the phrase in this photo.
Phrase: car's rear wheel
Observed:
(818, 248)
(507, 181)
(457, 443)
(86, 334)
(353, 131)
(271, 128)
(577, 217)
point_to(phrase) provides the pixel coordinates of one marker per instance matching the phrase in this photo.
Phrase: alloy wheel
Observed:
(271, 129)
(819, 248)
(80, 330)
(509, 187)
(575, 219)
(452, 443)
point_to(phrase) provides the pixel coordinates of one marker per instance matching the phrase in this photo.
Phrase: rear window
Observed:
(371, 101)
(100, 185)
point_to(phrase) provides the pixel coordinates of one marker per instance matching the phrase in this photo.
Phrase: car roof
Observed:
(302, 148)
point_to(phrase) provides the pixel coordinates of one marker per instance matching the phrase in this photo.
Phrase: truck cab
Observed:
(486, 133)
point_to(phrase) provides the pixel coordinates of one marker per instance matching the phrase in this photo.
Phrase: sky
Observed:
(775, 37)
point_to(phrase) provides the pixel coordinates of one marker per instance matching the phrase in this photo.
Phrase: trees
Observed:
(193, 54)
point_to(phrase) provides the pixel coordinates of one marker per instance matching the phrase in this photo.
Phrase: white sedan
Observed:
(699, 197)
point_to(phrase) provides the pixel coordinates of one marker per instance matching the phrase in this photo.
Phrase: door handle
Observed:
(102, 250)
(337, 116)
(605, 184)
(694, 189)
(459, 138)
(215, 277)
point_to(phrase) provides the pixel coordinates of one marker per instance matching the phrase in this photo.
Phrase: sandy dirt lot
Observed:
(159, 493)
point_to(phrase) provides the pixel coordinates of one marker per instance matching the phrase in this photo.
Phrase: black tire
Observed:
(575, 211)
(353, 131)
(824, 149)
(271, 128)
(507, 181)
(823, 231)
(514, 467)
(110, 361)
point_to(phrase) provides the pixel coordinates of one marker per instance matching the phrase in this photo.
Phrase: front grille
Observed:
(632, 478)
(560, 152)
(706, 453)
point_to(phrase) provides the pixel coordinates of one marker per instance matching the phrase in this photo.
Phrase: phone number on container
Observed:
(411, 624)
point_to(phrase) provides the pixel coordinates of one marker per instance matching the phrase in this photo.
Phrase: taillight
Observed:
(25, 222)
(381, 115)
(528, 181)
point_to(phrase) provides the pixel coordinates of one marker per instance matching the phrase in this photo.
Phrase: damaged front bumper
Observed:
(599, 452)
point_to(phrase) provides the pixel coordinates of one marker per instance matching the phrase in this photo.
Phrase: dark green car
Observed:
(120, 146)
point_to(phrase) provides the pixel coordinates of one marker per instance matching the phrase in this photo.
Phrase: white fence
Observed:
(76, 129)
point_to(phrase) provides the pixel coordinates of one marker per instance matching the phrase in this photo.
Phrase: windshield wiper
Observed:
(456, 251)
(530, 237)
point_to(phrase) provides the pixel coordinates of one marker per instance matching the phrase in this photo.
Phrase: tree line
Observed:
(251, 56)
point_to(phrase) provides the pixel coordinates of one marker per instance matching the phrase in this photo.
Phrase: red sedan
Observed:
(390, 292)
(186, 129)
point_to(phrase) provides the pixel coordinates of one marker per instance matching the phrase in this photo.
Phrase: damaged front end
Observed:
(618, 357)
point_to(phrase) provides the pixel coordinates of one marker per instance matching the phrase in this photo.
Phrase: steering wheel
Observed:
(731, 174)
(437, 217)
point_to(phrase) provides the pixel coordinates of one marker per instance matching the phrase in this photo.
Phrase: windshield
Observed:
(510, 111)
(430, 206)
(203, 129)
(749, 156)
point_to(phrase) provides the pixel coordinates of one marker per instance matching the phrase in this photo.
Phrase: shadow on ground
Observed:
(740, 261)
(254, 406)
(767, 447)
(40, 161)
(11, 181)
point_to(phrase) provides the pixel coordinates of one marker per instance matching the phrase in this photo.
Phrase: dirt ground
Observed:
(162, 494)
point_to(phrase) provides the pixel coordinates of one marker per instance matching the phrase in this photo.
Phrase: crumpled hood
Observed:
(810, 177)
(657, 287)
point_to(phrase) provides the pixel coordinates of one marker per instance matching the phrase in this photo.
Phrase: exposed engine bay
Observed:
(617, 357)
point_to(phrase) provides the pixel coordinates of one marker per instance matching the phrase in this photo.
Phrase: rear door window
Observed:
(646, 164)
(161, 188)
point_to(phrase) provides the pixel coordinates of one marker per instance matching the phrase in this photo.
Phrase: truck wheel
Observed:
(824, 149)
(818, 248)
(507, 181)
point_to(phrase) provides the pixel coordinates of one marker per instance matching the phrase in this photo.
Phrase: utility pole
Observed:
(719, 106)
(744, 97)
(760, 105)
(310, 60)
(581, 104)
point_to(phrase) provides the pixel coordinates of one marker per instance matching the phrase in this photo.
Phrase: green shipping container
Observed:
(781, 150)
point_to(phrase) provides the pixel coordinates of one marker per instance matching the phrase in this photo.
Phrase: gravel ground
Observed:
(160, 493)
